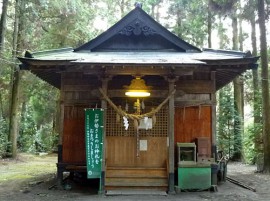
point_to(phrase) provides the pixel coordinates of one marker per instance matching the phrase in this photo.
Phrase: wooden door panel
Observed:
(122, 152)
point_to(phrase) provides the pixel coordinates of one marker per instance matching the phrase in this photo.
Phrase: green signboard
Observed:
(94, 141)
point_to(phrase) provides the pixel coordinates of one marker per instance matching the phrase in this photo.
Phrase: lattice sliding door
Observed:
(114, 128)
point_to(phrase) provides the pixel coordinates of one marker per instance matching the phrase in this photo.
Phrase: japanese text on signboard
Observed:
(94, 141)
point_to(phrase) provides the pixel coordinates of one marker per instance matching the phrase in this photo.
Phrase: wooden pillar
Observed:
(61, 133)
(103, 166)
(213, 115)
(61, 129)
(171, 137)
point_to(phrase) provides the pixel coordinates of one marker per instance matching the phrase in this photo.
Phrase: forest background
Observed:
(29, 107)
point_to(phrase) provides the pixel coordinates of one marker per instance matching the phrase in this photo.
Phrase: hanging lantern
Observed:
(137, 88)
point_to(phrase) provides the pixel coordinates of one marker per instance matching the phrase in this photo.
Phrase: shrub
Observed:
(3, 137)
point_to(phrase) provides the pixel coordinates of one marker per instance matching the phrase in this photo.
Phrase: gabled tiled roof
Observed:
(137, 31)
(137, 40)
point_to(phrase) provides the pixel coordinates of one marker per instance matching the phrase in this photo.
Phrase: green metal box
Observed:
(194, 177)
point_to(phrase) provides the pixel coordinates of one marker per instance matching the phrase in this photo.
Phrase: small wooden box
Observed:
(186, 153)
(203, 147)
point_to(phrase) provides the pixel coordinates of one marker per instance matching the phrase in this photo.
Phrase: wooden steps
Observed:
(156, 192)
(136, 178)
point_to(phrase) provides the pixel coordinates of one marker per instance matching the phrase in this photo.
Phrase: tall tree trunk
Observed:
(3, 21)
(241, 39)
(178, 22)
(221, 33)
(153, 10)
(1, 107)
(235, 38)
(209, 25)
(122, 8)
(15, 83)
(21, 28)
(265, 87)
(157, 18)
(256, 90)
(238, 98)
(14, 112)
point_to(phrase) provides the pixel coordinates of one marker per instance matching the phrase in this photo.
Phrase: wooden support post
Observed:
(59, 167)
(103, 166)
(171, 137)
(61, 133)
(214, 119)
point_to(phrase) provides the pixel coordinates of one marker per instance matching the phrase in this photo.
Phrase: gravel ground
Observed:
(39, 189)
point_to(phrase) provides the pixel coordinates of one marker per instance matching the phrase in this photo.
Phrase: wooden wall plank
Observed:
(196, 86)
(192, 122)
(78, 87)
(74, 135)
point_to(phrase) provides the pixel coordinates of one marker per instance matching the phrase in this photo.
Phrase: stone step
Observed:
(136, 172)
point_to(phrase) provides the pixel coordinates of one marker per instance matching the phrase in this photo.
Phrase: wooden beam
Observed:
(191, 103)
(180, 98)
(171, 137)
(195, 86)
(93, 95)
(104, 106)
(82, 102)
(148, 70)
(193, 97)
(61, 133)
(78, 87)
(119, 70)
(62, 114)
(214, 119)
(120, 93)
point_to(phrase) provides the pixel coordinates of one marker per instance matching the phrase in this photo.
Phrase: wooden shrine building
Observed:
(182, 81)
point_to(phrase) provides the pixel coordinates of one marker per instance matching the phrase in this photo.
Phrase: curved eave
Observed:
(226, 69)
(236, 61)
(50, 74)
(47, 62)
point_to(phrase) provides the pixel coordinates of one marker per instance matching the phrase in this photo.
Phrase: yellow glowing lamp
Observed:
(137, 88)
(137, 93)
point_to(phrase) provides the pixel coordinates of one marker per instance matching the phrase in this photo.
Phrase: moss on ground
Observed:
(26, 168)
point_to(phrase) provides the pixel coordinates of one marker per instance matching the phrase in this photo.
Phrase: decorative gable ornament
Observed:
(137, 27)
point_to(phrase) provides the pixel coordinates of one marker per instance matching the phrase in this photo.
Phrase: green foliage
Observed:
(249, 9)
(225, 120)
(42, 140)
(224, 39)
(192, 28)
(3, 137)
(61, 23)
(222, 6)
(251, 95)
(227, 141)
(237, 135)
(251, 142)
(37, 132)
(27, 130)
